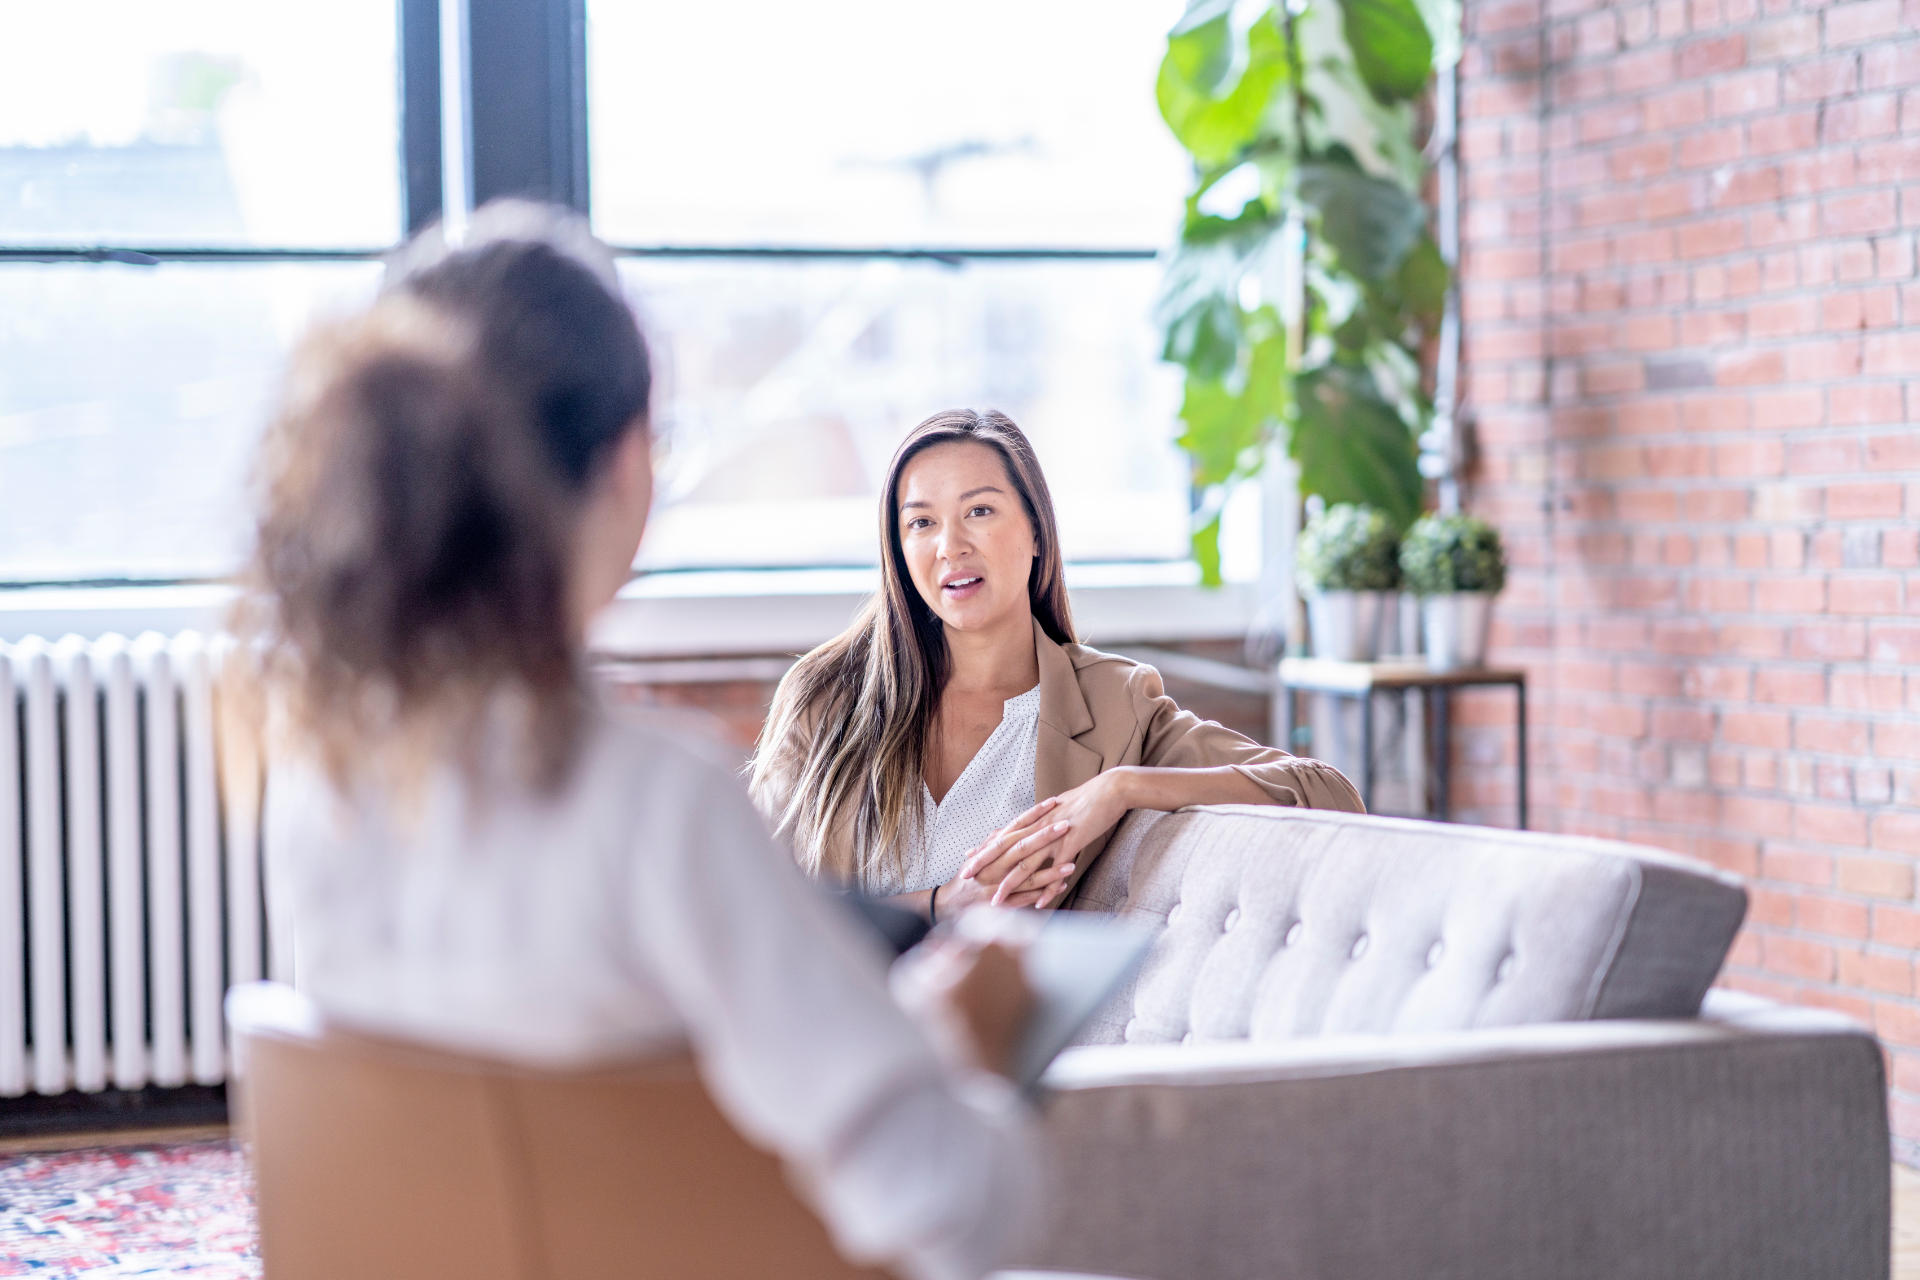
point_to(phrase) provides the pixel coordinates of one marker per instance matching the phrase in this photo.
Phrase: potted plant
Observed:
(1347, 562)
(1456, 565)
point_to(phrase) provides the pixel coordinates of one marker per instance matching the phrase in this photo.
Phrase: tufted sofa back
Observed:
(1280, 923)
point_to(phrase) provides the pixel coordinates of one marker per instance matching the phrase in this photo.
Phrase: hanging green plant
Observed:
(1304, 222)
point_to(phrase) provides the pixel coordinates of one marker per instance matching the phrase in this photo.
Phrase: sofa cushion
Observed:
(1280, 923)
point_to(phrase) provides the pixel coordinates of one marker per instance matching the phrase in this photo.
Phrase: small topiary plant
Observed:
(1445, 554)
(1348, 548)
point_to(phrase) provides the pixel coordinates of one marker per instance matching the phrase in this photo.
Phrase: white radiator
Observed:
(130, 869)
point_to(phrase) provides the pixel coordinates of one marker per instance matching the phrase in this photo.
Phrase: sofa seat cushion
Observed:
(1279, 923)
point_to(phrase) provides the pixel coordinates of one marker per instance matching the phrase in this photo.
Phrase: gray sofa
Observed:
(1368, 1047)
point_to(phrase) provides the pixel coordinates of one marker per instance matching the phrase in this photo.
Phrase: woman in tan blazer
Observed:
(904, 758)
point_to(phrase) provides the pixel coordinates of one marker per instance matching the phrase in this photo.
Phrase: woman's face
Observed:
(969, 545)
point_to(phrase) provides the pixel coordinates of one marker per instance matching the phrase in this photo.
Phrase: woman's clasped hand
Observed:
(1030, 861)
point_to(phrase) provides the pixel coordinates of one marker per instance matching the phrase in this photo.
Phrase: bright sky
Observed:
(310, 131)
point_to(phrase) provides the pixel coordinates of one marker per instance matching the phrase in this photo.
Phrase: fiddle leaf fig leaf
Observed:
(1226, 426)
(1391, 46)
(1213, 125)
(1370, 222)
(1352, 446)
(1424, 280)
(1201, 44)
(1206, 338)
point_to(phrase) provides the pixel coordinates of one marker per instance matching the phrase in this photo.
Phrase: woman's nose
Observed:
(953, 541)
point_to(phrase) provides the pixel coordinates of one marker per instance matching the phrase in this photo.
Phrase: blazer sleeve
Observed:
(1175, 739)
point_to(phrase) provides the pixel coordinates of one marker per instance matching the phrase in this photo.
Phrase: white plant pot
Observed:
(1456, 627)
(1346, 624)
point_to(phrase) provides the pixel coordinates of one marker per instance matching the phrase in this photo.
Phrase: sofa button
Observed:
(1359, 947)
(1293, 933)
(1233, 918)
(1434, 953)
(1505, 970)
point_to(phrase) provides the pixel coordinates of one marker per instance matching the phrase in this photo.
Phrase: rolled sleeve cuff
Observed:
(1304, 784)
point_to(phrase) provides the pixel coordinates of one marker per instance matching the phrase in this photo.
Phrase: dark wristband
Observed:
(932, 898)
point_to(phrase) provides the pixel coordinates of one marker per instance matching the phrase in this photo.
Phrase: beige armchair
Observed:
(386, 1161)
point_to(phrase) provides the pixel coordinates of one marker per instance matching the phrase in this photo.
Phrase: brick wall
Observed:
(1693, 360)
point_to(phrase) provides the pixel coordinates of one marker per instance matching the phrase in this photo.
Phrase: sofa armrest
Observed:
(1749, 1143)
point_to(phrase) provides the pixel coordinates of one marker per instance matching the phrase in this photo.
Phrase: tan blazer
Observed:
(1099, 711)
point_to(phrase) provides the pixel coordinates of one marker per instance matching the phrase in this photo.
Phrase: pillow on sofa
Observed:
(1280, 923)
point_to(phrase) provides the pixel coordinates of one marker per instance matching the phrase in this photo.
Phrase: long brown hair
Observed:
(870, 695)
(418, 498)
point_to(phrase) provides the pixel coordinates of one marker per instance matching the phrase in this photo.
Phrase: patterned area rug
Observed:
(180, 1209)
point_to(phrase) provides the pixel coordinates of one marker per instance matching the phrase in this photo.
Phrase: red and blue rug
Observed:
(180, 1209)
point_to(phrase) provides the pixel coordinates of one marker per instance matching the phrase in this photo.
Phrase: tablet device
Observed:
(1073, 960)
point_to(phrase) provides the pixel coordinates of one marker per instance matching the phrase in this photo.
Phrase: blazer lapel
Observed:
(1060, 763)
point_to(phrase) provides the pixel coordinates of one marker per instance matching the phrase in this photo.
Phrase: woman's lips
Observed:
(961, 588)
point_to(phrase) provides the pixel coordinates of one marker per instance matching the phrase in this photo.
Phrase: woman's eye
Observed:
(918, 522)
(981, 511)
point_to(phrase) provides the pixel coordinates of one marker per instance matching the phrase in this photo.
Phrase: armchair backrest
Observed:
(390, 1161)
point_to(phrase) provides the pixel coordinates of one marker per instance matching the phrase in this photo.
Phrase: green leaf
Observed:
(1370, 222)
(1391, 46)
(1206, 551)
(1225, 424)
(1215, 126)
(1352, 446)
(1201, 44)
(1423, 280)
(1198, 306)
(1206, 339)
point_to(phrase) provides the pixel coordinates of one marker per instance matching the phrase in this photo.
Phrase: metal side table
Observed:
(1363, 679)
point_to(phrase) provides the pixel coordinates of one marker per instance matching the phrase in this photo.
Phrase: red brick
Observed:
(1791, 595)
(1876, 877)
(1896, 741)
(1897, 832)
(1790, 686)
(1894, 452)
(1830, 916)
(1717, 53)
(1896, 926)
(1865, 501)
(1864, 595)
(1789, 866)
(1851, 24)
(1835, 641)
(1824, 825)
(1789, 131)
(1894, 642)
(1872, 971)
(1756, 728)
(1830, 735)
(1869, 214)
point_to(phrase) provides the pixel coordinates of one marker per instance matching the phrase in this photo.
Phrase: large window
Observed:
(835, 219)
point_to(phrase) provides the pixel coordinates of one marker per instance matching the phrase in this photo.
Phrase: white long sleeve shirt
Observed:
(644, 907)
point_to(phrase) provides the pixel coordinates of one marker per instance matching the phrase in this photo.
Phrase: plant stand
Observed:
(1362, 680)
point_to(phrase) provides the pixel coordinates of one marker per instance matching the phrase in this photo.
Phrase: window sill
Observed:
(669, 615)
